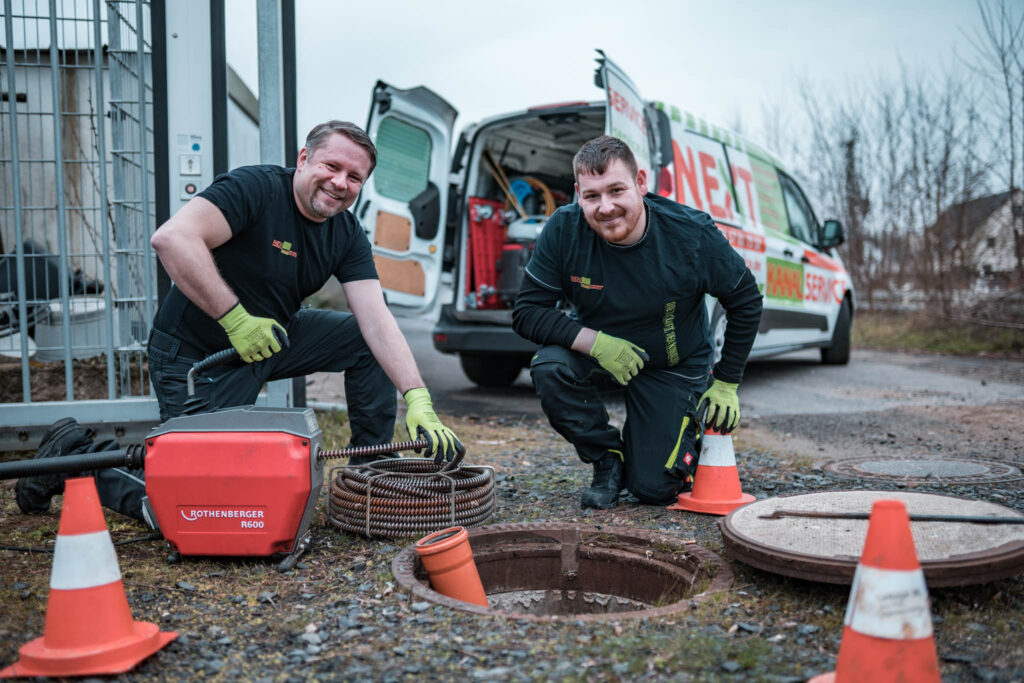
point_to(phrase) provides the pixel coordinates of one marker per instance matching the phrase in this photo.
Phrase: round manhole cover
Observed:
(551, 571)
(926, 470)
(822, 549)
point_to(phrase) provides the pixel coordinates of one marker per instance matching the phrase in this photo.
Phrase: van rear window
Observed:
(403, 160)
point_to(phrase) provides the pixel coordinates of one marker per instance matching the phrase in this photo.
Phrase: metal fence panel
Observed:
(77, 273)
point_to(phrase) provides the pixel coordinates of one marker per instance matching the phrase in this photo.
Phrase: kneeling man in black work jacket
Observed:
(243, 255)
(635, 268)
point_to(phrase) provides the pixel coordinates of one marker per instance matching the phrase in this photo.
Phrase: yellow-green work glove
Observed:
(422, 421)
(722, 405)
(623, 359)
(254, 338)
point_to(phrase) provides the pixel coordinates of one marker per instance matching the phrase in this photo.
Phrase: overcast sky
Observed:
(721, 59)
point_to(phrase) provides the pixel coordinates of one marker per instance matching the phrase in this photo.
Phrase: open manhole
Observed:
(925, 470)
(828, 549)
(552, 571)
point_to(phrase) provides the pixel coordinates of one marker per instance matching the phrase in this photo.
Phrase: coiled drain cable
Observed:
(403, 496)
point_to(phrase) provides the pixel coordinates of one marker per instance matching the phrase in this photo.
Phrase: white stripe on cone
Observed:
(889, 603)
(84, 561)
(717, 451)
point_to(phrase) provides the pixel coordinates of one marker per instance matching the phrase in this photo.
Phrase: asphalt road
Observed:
(792, 384)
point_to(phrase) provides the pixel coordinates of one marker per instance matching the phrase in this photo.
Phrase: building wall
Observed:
(994, 246)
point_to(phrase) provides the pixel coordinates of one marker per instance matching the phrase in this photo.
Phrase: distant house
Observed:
(978, 247)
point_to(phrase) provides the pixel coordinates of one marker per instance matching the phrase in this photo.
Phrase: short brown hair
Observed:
(595, 155)
(323, 131)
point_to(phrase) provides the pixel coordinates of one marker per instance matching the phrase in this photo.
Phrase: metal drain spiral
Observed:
(404, 496)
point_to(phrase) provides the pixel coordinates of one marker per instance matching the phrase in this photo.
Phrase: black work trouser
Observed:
(660, 437)
(319, 341)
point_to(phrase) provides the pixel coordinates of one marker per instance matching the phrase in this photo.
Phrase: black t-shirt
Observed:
(275, 258)
(651, 292)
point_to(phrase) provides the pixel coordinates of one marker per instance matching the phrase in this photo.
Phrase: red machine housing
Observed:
(240, 481)
(486, 236)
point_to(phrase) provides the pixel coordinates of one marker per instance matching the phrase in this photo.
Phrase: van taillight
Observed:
(665, 182)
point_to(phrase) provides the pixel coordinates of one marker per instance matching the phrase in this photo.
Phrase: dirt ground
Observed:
(47, 380)
(340, 614)
(990, 432)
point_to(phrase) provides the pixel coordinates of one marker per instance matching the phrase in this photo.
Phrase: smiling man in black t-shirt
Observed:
(243, 255)
(635, 268)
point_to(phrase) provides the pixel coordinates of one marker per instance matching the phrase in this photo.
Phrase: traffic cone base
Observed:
(111, 658)
(689, 502)
(716, 484)
(89, 625)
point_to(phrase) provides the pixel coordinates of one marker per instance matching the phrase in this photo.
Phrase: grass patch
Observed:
(919, 332)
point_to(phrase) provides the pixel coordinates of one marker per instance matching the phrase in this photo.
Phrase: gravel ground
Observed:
(340, 614)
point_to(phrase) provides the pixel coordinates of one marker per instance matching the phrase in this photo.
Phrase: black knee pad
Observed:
(661, 492)
(545, 374)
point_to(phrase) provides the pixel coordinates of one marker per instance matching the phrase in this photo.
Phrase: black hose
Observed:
(155, 536)
(219, 358)
(194, 404)
(130, 457)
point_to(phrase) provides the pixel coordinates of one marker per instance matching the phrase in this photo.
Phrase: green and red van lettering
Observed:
(707, 162)
(785, 280)
(745, 176)
(743, 239)
(749, 245)
(622, 105)
(689, 171)
(824, 289)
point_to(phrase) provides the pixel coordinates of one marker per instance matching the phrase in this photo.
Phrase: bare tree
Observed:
(889, 158)
(833, 165)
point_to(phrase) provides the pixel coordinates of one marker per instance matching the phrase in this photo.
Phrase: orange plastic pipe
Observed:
(448, 559)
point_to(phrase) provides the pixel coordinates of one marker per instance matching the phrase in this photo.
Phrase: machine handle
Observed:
(131, 457)
(220, 358)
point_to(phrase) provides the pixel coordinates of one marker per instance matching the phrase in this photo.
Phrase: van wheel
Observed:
(489, 370)
(718, 325)
(839, 352)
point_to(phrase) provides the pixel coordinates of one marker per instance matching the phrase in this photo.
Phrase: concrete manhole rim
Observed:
(404, 565)
(846, 468)
(961, 570)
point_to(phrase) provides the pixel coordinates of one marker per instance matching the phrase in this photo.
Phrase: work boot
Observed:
(64, 436)
(604, 489)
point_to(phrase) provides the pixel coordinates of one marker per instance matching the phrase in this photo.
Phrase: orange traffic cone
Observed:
(716, 485)
(888, 626)
(89, 627)
(448, 559)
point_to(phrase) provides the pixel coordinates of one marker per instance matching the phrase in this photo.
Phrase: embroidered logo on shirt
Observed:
(584, 282)
(285, 247)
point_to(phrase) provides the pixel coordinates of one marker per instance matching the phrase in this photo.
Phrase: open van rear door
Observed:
(626, 113)
(403, 205)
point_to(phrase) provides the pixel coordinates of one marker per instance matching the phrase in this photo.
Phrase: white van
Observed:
(476, 212)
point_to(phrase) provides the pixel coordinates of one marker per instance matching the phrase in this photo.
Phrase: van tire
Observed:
(718, 325)
(838, 353)
(491, 370)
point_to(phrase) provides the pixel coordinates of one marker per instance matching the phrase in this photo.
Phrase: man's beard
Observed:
(320, 210)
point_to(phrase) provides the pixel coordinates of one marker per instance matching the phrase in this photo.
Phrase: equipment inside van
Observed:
(476, 213)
